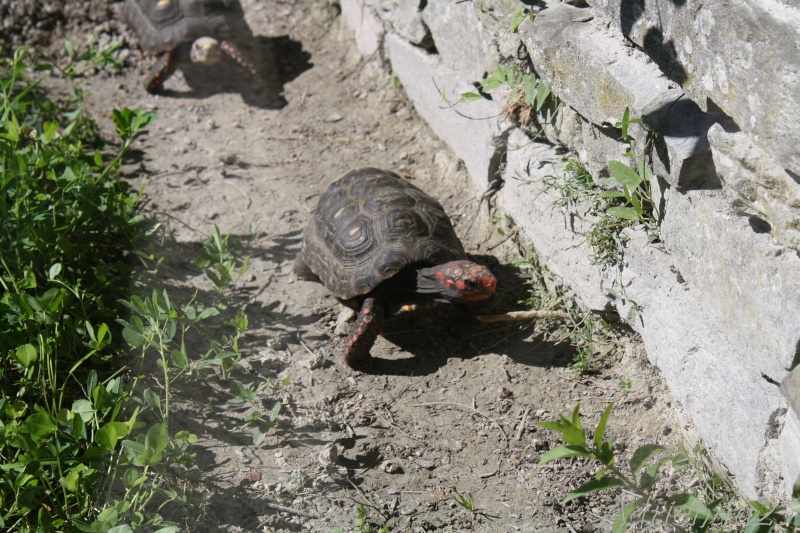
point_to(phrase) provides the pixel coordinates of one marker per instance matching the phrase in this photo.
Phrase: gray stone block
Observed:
(465, 47)
(790, 386)
(589, 68)
(790, 450)
(367, 27)
(595, 146)
(555, 233)
(730, 402)
(745, 283)
(471, 130)
(405, 18)
(496, 17)
(761, 186)
(742, 55)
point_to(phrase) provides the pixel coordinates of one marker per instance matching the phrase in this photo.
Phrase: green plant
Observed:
(221, 260)
(362, 523)
(769, 518)
(697, 511)
(634, 180)
(394, 81)
(518, 18)
(68, 220)
(534, 91)
(625, 385)
(639, 482)
(466, 502)
(85, 438)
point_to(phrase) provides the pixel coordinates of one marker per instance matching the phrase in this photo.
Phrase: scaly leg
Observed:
(235, 54)
(163, 69)
(369, 324)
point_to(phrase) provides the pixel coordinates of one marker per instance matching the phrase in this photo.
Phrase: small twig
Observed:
(369, 502)
(370, 466)
(304, 345)
(522, 422)
(394, 426)
(511, 234)
(284, 509)
(454, 404)
(531, 314)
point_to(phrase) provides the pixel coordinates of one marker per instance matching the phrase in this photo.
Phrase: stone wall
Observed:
(717, 300)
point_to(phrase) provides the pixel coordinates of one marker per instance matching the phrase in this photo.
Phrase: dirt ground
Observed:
(452, 404)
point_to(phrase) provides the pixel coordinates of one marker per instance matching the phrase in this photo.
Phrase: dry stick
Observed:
(522, 423)
(532, 314)
(394, 426)
(431, 404)
(371, 466)
(290, 510)
(369, 502)
(304, 345)
(511, 234)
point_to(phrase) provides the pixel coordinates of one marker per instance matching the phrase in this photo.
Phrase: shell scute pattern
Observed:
(371, 224)
(163, 25)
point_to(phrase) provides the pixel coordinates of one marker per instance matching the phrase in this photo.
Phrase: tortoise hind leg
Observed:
(369, 324)
(235, 54)
(163, 69)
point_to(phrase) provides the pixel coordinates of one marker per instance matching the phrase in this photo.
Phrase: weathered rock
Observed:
(790, 448)
(790, 386)
(367, 27)
(465, 47)
(731, 403)
(740, 54)
(555, 233)
(496, 17)
(472, 130)
(594, 145)
(588, 67)
(405, 18)
(761, 186)
(745, 283)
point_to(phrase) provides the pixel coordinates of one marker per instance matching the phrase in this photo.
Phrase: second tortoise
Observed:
(379, 243)
(182, 31)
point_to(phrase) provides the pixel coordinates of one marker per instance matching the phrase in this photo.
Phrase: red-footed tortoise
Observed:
(379, 243)
(181, 31)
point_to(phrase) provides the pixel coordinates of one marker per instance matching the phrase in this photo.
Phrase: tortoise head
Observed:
(457, 281)
(205, 50)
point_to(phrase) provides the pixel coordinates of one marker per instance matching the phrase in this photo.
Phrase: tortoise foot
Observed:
(368, 325)
(163, 69)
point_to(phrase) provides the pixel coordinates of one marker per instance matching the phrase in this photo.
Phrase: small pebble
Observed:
(390, 467)
(334, 117)
(276, 344)
(426, 464)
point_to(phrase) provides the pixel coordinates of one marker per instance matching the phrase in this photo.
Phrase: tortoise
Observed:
(183, 31)
(379, 243)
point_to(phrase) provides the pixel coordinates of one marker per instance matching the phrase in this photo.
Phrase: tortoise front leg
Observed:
(235, 54)
(163, 69)
(369, 324)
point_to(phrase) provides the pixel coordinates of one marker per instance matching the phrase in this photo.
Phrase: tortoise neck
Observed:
(429, 280)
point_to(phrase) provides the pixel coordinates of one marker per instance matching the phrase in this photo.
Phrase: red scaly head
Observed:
(457, 281)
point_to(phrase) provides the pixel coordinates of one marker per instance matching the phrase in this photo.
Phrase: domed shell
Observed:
(163, 25)
(371, 224)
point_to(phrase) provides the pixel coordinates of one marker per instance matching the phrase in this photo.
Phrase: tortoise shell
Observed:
(370, 225)
(163, 25)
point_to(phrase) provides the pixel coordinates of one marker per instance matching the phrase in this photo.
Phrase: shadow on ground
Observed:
(281, 59)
